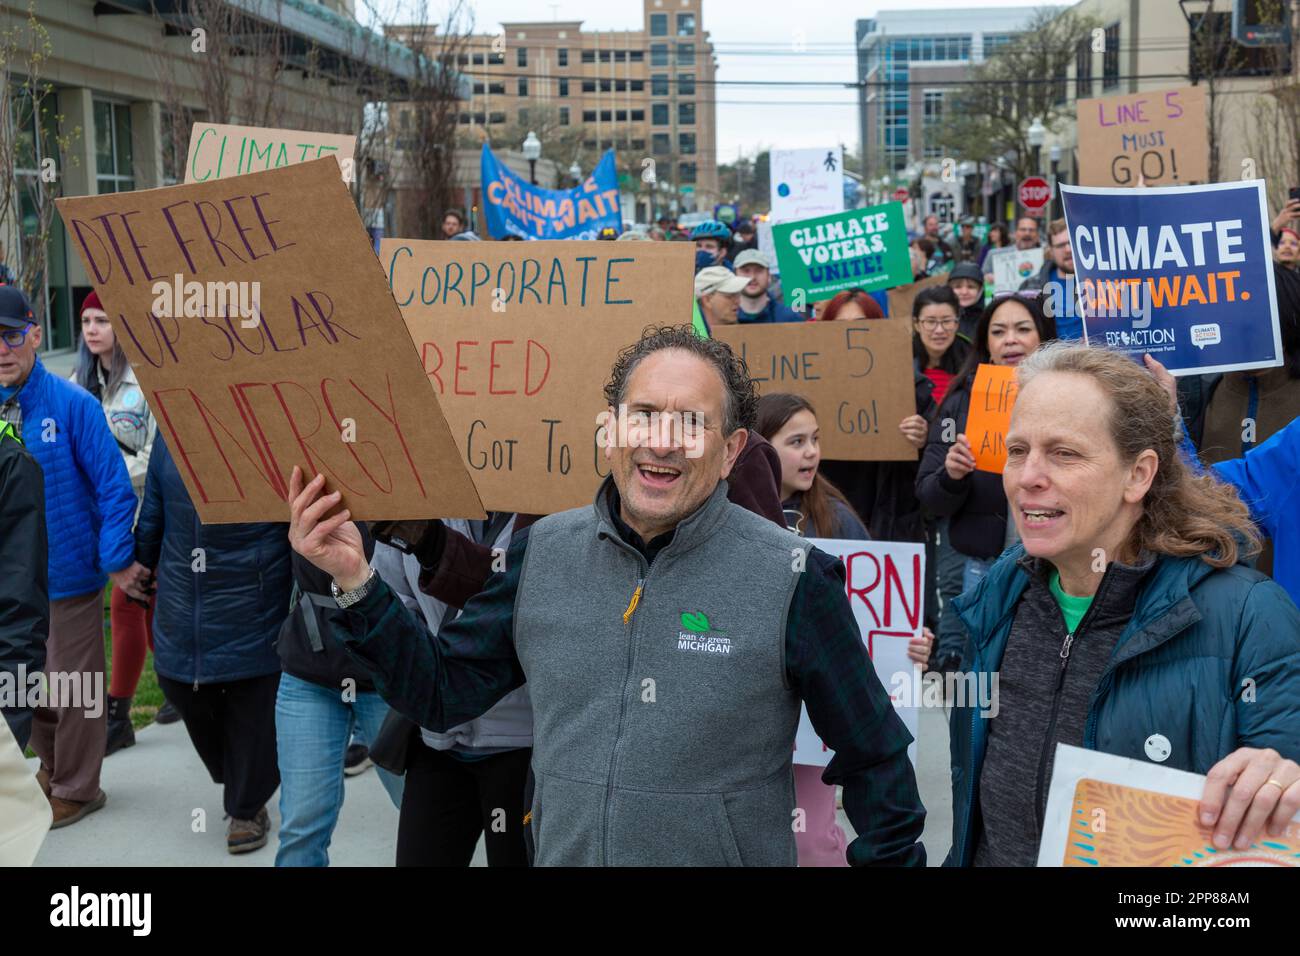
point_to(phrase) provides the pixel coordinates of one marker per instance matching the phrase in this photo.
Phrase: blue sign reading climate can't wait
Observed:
(515, 207)
(1184, 273)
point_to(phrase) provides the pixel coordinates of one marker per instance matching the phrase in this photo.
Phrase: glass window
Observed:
(686, 54)
(605, 86)
(638, 116)
(620, 56)
(620, 116)
(497, 88)
(659, 114)
(588, 56)
(686, 144)
(686, 172)
(1110, 58)
(478, 59)
(523, 86)
(113, 167)
(620, 86)
(606, 117)
(659, 84)
(564, 116)
(521, 56)
(604, 56)
(497, 58)
(686, 114)
(481, 118)
(638, 86)
(660, 144)
(686, 84)
(523, 117)
(589, 116)
(636, 56)
(638, 144)
(564, 87)
(496, 118)
(562, 56)
(686, 24)
(1083, 70)
(480, 89)
(659, 24)
(589, 86)
(659, 54)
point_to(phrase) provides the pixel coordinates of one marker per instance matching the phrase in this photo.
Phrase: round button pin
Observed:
(1158, 748)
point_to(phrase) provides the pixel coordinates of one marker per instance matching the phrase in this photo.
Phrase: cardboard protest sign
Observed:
(1106, 810)
(514, 207)
(857, 374)
(218, 151)
(885, 584)
(993, 395)
(1184, 273)
(806, 182)
(518, 340)
(1011, 266)
(259, 324)
(859, 249)
(901, 297)
(1156, 137)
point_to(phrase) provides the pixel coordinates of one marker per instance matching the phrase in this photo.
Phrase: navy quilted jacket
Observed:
(89, 504)
(223, 589)
(1199, 637)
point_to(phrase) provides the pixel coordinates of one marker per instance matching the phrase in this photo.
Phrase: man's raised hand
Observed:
(331, 543)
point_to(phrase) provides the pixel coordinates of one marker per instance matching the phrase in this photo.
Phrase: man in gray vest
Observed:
(667, 637)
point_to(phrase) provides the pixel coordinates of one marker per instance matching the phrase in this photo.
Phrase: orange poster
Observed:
(992, 397)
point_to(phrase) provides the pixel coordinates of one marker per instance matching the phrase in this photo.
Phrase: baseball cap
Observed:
(15, 310)
(752, 257)
(718, 279)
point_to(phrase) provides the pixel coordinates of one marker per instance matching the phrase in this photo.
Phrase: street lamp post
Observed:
(532, 152)
(1037, 133)
(1055, 154)
(576, 172)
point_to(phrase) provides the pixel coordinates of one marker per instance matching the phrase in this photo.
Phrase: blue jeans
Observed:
(313, 726)
(949, 565)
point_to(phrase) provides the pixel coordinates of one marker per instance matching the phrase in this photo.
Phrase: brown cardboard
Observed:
(219, 151)
(521, 373)
(324, 358)
(901, 297)
(1156, 137)
(857, 374)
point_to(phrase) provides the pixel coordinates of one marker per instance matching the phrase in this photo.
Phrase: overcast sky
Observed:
(754, 40)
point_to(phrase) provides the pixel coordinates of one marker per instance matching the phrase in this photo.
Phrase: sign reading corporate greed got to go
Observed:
(518, 340)
(860, 249)
(259, 324)
(857, 374)
(218, 151)
(1184, 273)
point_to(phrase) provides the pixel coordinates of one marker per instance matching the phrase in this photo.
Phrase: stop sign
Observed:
(1035, 192)
(900, 195)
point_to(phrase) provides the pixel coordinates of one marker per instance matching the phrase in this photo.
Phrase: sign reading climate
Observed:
(1182, 273)
(860, 249)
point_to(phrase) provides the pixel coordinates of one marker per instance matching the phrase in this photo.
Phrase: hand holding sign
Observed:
(331, 543)
(960, 462)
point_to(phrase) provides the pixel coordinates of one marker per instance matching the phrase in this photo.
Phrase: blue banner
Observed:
(514, 207)
(1184, 273)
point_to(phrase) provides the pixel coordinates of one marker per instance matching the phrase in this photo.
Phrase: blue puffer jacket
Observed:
(89, 504)
(1197, 633)
(218, 624)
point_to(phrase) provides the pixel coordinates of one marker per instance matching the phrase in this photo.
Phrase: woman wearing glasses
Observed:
(947, 484)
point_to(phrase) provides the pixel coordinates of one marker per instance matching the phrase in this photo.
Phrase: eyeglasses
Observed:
(931, 324)
(14, 338)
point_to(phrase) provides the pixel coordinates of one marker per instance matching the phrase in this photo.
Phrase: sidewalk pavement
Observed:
(164, 810)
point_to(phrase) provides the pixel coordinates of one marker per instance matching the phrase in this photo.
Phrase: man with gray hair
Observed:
(668, 638)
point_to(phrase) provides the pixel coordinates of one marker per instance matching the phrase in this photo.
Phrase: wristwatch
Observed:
(356, 595)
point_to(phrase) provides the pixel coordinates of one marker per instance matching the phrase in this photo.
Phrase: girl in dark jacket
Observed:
(223, 592)
(947, 484)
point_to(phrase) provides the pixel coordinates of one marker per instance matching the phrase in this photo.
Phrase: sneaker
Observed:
(243, 836)
(68, 812)
(120, 732)
(356, 760)
(167, 714)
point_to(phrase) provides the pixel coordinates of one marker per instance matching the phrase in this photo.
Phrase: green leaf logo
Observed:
(697, 623)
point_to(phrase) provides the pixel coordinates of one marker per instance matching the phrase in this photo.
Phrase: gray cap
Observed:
(718, 279)
(752, 257)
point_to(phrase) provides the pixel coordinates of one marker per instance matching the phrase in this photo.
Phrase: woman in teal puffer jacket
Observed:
(1123, 623)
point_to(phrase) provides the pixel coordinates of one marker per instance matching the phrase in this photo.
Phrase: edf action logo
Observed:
(699, 635)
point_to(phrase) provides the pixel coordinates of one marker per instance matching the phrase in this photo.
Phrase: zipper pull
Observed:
(1065, 660)
(636, 599)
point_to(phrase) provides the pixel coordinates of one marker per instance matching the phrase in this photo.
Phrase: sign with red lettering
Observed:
(518, 340)
(1152, 138)
(857, 374)
(258, 322)
(885, 584)
(1035, 192)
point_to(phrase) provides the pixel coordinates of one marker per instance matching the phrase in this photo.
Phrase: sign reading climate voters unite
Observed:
(517, 340)
(259, 324)
(219, 151)
(885, 585)
(860, 249)
(1184, 273)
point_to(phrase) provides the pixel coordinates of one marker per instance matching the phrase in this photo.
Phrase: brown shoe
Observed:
(43, 778)
(245, 835)
(68, 812)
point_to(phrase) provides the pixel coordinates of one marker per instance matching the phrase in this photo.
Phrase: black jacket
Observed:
(312, 653)
(24, 574)
(976, 506)
(883, 493)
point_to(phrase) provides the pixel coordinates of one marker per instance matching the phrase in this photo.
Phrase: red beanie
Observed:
(91, 302)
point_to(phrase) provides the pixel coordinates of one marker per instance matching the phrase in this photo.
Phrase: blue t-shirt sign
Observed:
(1184, 273)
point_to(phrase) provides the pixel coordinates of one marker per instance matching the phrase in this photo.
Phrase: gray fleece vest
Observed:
(665, 740)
